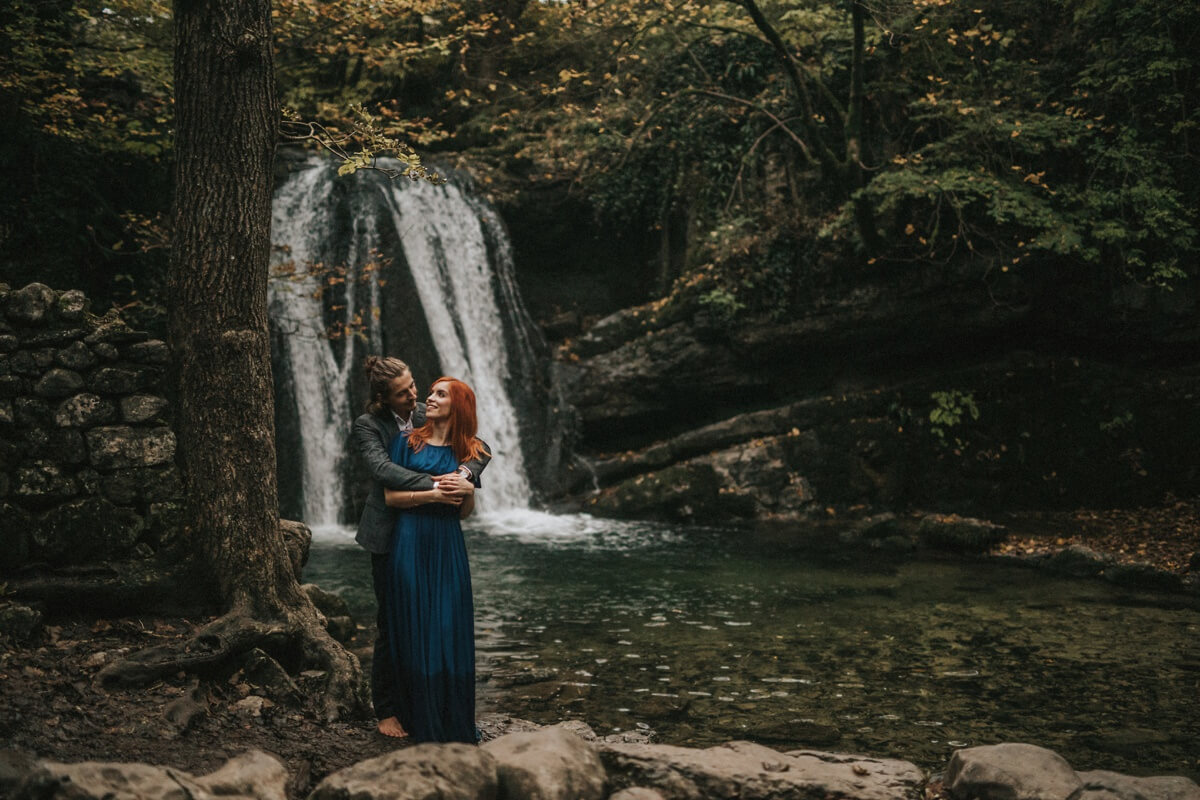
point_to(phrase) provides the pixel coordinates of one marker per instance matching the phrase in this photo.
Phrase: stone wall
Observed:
(87, 470)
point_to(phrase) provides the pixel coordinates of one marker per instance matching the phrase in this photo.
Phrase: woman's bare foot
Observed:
(392, 727)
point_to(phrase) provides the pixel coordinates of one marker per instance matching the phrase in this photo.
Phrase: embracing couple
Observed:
(424, 460)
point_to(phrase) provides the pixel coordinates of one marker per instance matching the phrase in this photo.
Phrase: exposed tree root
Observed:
(299, 639)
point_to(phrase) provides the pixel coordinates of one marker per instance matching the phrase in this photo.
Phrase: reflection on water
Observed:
(708, 635)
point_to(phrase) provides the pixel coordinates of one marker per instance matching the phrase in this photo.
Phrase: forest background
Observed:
(741, 152)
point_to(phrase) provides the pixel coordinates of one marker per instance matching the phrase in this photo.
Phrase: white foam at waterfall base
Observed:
(538, 528)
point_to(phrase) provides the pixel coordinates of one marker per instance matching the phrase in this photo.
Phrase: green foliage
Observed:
(724, 304)
(1017, 137)
(1117, 423)
(949, 411)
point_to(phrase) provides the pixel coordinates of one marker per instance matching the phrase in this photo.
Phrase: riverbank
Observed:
(50, 706)
(1165, 537)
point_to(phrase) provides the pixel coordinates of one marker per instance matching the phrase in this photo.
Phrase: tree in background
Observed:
(226, 121)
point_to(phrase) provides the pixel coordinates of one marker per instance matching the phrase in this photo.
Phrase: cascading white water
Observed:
(447, 252)
(300, 215)
(445, 237)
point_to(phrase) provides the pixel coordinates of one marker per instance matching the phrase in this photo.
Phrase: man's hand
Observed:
(454, 485)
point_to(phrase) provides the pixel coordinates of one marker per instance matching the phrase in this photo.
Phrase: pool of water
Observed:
(706, 635)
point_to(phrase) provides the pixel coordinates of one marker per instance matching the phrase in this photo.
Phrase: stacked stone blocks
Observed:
(87, 453)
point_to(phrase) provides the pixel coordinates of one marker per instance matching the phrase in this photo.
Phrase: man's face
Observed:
(401, 397)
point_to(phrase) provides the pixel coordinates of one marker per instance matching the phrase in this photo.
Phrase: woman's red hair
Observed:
(462, 424)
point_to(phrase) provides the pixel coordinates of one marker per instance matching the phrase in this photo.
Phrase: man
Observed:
(393, 408)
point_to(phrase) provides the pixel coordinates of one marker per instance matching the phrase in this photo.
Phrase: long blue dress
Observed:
(430, 614)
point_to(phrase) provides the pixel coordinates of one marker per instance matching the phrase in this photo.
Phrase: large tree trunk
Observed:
(226, 127)
(226, 120)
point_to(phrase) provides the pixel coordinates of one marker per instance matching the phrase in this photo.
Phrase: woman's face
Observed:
(437, 405)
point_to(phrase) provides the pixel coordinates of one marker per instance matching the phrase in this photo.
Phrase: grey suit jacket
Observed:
(371, 436)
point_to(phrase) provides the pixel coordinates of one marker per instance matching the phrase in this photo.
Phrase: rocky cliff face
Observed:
(927, 392)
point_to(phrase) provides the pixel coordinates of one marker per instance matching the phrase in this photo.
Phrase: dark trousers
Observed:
(383, 676)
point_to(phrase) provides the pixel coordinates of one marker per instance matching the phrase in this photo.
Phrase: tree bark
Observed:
(226, 120)
(226, 116)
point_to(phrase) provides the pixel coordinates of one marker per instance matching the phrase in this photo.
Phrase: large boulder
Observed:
(1104, 785)
(748, 771)
(29, 305)
(1010, 771)
(253, 776)
(548, 764)
(424, 772)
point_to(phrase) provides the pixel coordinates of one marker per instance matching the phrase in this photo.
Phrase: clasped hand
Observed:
(452, 489)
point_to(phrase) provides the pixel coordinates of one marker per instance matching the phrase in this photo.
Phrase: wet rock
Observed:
(18, 622)
(75, 356)
(297, 538)
(549, 764)
(1143, 576)
(106, 351)
(8, 343)
(112, 329)
(253, 774)
(962, 534)
(1010, 771)
(120, 446)
(1104, 785)
(249, 777)
(683, 492)
(142, 407)
(423, 772)
(58, 382)
(83, 411)
(6, 412)
(72, 305)
(29, 305)
(1078, 561)
(637, 793)
(44, 482)
(752, 772)
(116, 380)
(15, 767)
(252, 706)
(153, 351)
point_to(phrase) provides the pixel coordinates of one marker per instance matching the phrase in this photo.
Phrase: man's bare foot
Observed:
(392, 727)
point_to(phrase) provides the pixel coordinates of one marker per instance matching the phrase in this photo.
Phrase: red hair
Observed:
(462, 424)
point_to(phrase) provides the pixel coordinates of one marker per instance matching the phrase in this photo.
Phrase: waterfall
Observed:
(446, 248)
(448, 259)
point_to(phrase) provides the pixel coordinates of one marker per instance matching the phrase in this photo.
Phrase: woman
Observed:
(430, 614)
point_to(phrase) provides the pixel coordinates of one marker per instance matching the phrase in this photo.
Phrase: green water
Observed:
(703, 636)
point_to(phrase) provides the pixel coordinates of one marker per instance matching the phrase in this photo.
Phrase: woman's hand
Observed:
(441, 494)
